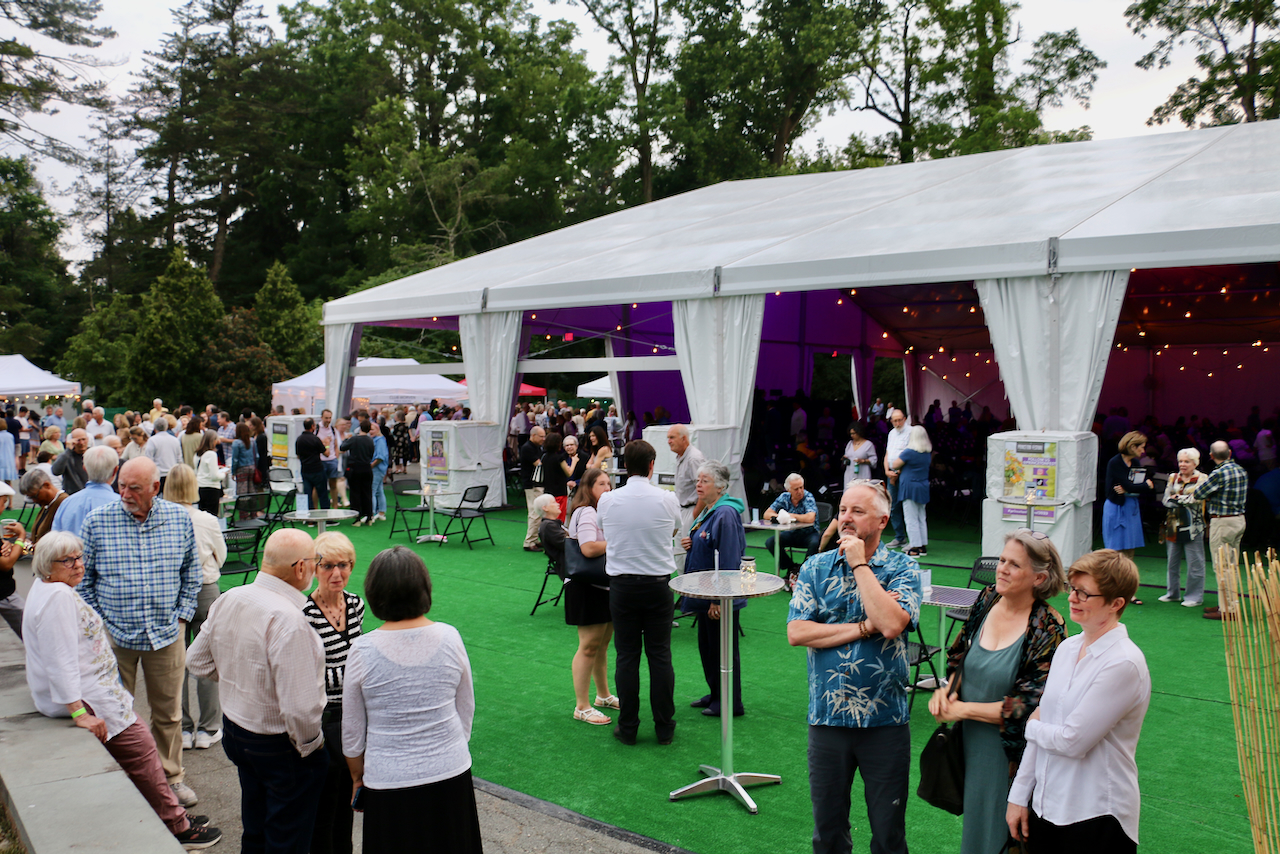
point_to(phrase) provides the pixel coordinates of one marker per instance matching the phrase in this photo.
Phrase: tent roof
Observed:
(419, 386)
(23, 378)
(1194, 198)
(598, 387)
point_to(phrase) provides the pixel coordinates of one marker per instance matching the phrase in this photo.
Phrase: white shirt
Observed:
(207, 474)
(99, 430)
(210, 544)
(687, 465)
(1079, 763)
(165, 450)
(897, 443)
(268, 661)
(408, 705)
(69, 657)
(638, 521)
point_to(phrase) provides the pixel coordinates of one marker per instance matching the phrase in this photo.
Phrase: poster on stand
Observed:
(437, 463)
(1031, 471)
(280, 444)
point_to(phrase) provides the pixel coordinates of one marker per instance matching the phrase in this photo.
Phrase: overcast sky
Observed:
(1123, 99)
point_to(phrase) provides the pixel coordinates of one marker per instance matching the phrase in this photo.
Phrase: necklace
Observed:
(334, 614)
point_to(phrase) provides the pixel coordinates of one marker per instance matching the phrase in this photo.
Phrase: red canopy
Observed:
(526, 390)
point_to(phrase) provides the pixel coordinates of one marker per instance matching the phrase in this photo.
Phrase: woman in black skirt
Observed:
(587, 606)
(407, 709)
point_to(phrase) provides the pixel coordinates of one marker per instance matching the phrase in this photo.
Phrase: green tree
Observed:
(286, 324)
(1237, 44)
(177, 327)
(36, 302)
(242, 367)
(31, 79)
(97, 355)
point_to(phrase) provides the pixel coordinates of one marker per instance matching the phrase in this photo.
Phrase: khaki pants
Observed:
(164, 671)
(535, 518)
(1224, 531)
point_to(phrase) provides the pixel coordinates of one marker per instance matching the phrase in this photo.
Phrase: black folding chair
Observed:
(245, 512)
(469, 509)
(284, 495)
(242, 551)
(407, 506)
(552, 571)
(982, 575)
(920, 654)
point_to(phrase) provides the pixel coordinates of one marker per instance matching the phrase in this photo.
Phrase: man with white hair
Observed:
(157, 409)
(1224, 494)
(100, 465)
(98, 426)
(70, 463)
(853, 608)
(799, 504)
(688, 460)
(894, 446)
(142, 574)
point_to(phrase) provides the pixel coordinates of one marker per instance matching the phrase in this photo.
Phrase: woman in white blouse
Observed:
(208, 477)
(1077, 787)
(859, 454)
(180, 488)
(407, 707)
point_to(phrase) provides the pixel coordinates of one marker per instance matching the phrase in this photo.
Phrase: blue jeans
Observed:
(801, 538)
(319, 481)
(379, 494)
(896, 518)
(279, 789)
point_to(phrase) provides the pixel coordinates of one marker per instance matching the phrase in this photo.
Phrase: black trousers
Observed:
(334, 818)
(642, 610)
(709, 650)
(1101, 835)
(882, 755)
(360, 488)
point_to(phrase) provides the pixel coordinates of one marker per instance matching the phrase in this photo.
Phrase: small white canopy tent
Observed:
(306, 391)
(20, 378)
(1048, 235)
(600, 387)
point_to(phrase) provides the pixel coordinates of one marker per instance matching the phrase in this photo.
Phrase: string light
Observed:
(777, 293)
(839, 302)
(886, 335)
(635, 305)
(619, 327)
(1188, 314)
(534, 317)
(436, 318)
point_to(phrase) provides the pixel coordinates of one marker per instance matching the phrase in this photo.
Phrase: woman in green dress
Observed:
(996, 671)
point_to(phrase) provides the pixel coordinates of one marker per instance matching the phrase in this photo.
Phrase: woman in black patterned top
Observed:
(337, 615)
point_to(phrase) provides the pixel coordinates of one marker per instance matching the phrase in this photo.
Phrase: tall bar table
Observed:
(725, 586)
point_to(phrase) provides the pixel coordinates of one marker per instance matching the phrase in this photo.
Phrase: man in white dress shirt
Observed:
(270, 663)
(639, 521)
(688, 460)
(896, 444)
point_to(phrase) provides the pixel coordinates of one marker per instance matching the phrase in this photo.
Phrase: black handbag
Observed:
(578, 567)
(942, 769)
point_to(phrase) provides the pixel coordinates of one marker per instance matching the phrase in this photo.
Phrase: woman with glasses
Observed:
(1077, 788)
(996, 671)
(337, 615)
(72, 673)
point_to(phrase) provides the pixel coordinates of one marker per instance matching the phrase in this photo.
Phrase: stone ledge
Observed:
(62, 788)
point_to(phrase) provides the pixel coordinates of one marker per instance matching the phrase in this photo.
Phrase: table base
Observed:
(433, 538)
(731, 783)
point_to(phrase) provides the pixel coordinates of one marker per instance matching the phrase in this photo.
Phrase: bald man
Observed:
(270, 664)
(531, 480)
(70, 463)
(142, 574)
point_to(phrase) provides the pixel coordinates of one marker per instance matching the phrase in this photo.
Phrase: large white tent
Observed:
(308, 391)
(1047, 235)
(599, 387)
(20, 378)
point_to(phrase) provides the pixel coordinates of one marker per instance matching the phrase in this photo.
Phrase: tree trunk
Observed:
(220, 238)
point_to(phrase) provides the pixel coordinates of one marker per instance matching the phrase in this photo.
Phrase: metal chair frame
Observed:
(466, 516)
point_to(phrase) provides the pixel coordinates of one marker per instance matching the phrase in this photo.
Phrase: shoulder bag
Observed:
(942, 763)
(579, 567)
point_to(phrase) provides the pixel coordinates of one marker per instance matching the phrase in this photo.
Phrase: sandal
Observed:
(609, 702)
(920, 552)
(591, 716)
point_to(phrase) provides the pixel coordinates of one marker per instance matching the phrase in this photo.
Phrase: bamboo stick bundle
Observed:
(1253, 673)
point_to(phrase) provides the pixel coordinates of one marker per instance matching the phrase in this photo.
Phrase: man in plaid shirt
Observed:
(1224, 493)
(142, 574)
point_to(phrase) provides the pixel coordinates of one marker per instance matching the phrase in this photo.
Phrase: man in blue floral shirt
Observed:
(852, 608)
(799, 503)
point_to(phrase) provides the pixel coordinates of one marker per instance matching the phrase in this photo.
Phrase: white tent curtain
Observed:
(718, 344)
(341, 346)
(490, 348)
(1051, 341)
(614, 380)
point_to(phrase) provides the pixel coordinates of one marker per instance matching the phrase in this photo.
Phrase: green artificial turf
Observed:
(526, 739)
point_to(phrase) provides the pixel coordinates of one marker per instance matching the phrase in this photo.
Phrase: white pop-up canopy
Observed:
(20, 378)
(599, 387)
(305, 391)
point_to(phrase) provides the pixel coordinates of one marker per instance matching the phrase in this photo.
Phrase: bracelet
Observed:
(78, 712)
(855, 569)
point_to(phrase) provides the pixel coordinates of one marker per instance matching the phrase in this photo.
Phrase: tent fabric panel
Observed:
(341, 345)
(22, 378)
(490, 346)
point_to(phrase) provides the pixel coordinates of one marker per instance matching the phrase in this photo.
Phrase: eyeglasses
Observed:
(1080, 594)
(1035, 535)
(70, 561)
(330, 567)
(862, 481)
(302, 560)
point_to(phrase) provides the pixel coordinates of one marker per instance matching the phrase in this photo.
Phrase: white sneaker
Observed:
(382, 517)
(187, 741)
(205, 740)
(1192, 603)
(357, 523)
(186, 796)
(1168, 598)
(895, 544)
